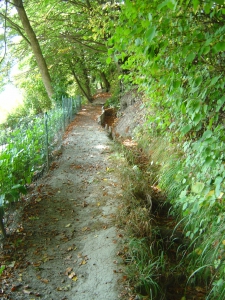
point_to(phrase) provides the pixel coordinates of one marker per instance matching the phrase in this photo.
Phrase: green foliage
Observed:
(175, 51)
(72, 37)
(114, 99)
(2, 268)
(20, 157)
(23, 150)
(144, 268)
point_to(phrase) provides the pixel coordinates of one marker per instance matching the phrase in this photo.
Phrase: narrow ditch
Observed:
(167, 237)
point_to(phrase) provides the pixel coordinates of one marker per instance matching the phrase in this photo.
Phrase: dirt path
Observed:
(65, 244)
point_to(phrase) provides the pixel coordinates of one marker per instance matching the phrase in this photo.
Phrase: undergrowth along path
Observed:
(65, 242)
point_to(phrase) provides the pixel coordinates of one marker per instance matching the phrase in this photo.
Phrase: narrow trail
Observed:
(65, 243)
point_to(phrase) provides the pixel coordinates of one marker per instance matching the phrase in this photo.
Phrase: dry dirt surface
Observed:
(65, 242)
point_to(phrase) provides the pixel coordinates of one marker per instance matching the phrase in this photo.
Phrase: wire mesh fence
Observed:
(25, 151)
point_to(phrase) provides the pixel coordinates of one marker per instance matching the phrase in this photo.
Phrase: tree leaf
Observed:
(2, 268)
(186, 129)
(219, 2)
(219, 47)
(197, 187)
(138, 42)
(108, 60)
(220, 103)
(191, 57)
(195, 4)
(207, 134)
(150, 34)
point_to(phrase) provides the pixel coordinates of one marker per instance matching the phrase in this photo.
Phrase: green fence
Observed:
(26, 151)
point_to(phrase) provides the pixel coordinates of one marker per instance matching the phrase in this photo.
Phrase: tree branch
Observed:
(16, 27)
(5, 16)
(84, 44)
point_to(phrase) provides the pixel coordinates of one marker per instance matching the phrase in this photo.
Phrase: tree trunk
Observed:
(80, 86)
(2, 228)
(35, 46)
(85, 76)
(105, 81)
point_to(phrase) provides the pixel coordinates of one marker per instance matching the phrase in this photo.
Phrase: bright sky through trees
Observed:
(9, 100)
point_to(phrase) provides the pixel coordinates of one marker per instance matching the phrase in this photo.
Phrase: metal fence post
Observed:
(46, 140)
(79, 101)
(71, 109)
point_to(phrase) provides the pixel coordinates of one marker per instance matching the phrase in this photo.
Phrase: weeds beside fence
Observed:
(25, 151)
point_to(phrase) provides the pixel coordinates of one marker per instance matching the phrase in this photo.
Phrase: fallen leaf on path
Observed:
(27, 292)
(85, 204)
(45, 280)
(71, 248)
(15, 287)
(20, 277)
(12, 264)
(37, 295)
(68, 257)
(64, 288)
(46, 258)
(83, 262)
(68, 271)
(71, 275)
(75, 278)
(85, 228)
(199, 289)
(33, 218)
(37, 264)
